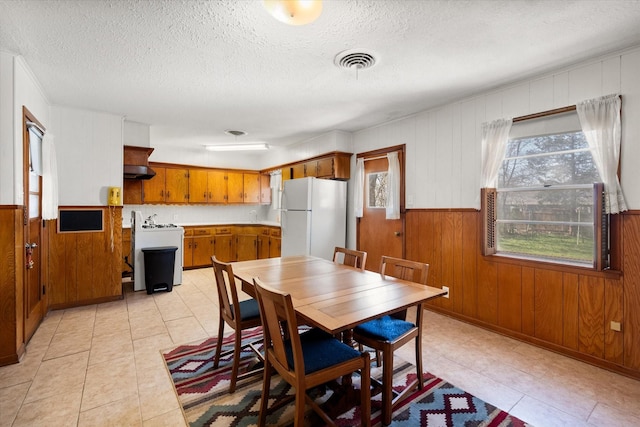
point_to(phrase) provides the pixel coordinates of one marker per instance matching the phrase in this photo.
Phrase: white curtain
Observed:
(358, 189)
(495, 136)
(393, 187)
(276, 189)
(600, 121)
(49, 178)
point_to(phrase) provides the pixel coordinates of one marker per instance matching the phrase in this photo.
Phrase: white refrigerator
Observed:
(314, 217)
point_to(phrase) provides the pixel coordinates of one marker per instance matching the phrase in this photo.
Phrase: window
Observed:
(547, 203)
(377, 194)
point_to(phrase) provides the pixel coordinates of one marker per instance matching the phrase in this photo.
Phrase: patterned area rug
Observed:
(203, 394)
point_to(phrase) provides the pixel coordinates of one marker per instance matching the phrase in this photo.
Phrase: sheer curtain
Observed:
(393, 183)
(495, 136)
(49, 178)
(358, 189)
(600, 121)
(275, 183)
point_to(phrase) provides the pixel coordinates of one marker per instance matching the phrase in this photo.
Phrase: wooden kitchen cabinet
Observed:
(169, 185)
(334, 166)
(265, 189)
(197, 247)
(263, 243)
(243, 187)
(275, 241)
(246, 247)
(127, 270)
(297, 171)
(223, 244)
(235, 187)
(207, 186)
(251, 183)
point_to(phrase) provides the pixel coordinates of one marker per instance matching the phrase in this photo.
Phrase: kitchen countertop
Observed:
(214, 224)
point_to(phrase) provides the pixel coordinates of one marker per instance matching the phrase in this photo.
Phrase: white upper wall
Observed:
(89, 154)
(18, 88)
(443, 145)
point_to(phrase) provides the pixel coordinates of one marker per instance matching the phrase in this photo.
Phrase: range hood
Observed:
(136, 162)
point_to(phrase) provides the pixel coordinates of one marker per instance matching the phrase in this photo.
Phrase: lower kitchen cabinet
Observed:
(263, 243)
(223, 246)
(198, 247)
(275, 241)
(247, 247)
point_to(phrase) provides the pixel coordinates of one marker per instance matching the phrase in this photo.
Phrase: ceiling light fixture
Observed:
(238, 147)
(294, 12)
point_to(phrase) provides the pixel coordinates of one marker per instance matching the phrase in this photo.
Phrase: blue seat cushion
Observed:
(248, 309)
(320, 350)
(385, 328)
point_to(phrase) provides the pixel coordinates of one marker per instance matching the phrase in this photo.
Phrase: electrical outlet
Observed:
(446, 288)
(616, 326)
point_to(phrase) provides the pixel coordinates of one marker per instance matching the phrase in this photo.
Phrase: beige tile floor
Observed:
(100, 366)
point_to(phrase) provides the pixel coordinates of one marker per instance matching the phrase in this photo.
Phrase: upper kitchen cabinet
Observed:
(265, 189)
(207, 186)
(243, 187)
(331, 166)
(169, 185)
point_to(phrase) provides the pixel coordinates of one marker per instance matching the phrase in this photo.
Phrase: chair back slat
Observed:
(350, 257)
(411, 271)
(279, 321)
(227, 292)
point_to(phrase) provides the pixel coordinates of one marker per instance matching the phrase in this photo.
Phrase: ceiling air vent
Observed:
(357, 59)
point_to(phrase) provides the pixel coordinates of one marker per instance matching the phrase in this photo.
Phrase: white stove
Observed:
(146, 234)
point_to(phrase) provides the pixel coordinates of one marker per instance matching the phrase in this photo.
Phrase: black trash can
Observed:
(159, 266)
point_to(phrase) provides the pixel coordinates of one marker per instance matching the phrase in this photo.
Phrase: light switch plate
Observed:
(446, 288)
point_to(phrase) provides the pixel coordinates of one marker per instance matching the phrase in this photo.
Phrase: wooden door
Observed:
(198, 188)
(235, 186)
(36, 256)
(251, 183)
(377, 235)
(217, 183)
(324, 168)
(263, 245)
(311, 168)
(297, 171)
(177, 185)
(153, 190)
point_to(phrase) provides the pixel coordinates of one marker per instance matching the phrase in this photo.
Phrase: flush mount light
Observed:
(294, 12)
(235, 132)
(238, 147)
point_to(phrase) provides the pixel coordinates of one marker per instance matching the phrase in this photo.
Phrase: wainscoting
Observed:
(564, 309)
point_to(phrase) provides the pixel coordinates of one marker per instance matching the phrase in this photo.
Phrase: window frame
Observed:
(607, 228)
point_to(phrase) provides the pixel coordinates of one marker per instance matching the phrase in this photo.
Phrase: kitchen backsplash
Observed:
(194, 215)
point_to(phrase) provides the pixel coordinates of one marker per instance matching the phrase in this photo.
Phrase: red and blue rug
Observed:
(205, 400)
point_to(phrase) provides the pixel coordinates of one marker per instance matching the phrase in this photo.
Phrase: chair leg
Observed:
(236, 360)
(419, 362)
(216, 357)
(365, 392)
(387, 385)
(298, 418)
(264, 402)
(378, 358)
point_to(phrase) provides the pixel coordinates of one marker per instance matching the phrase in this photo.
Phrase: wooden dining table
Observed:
(332, 296)
(335, 298)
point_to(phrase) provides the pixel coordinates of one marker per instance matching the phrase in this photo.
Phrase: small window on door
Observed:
(377, 190)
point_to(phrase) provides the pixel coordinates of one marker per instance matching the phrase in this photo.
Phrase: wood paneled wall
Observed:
(83, 268)
(11, 284)
(569, 310)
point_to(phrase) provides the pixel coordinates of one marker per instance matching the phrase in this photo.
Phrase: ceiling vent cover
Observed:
(355, 58)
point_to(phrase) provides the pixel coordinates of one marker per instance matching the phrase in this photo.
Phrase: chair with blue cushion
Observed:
(240, 315)
(304, 360)
(387, 333)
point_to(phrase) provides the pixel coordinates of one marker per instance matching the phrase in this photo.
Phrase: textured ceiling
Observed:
(192, 69)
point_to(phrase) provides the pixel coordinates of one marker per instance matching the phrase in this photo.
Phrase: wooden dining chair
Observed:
(304, 360)
(387, 333)
(350, 257)
(240, 315)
